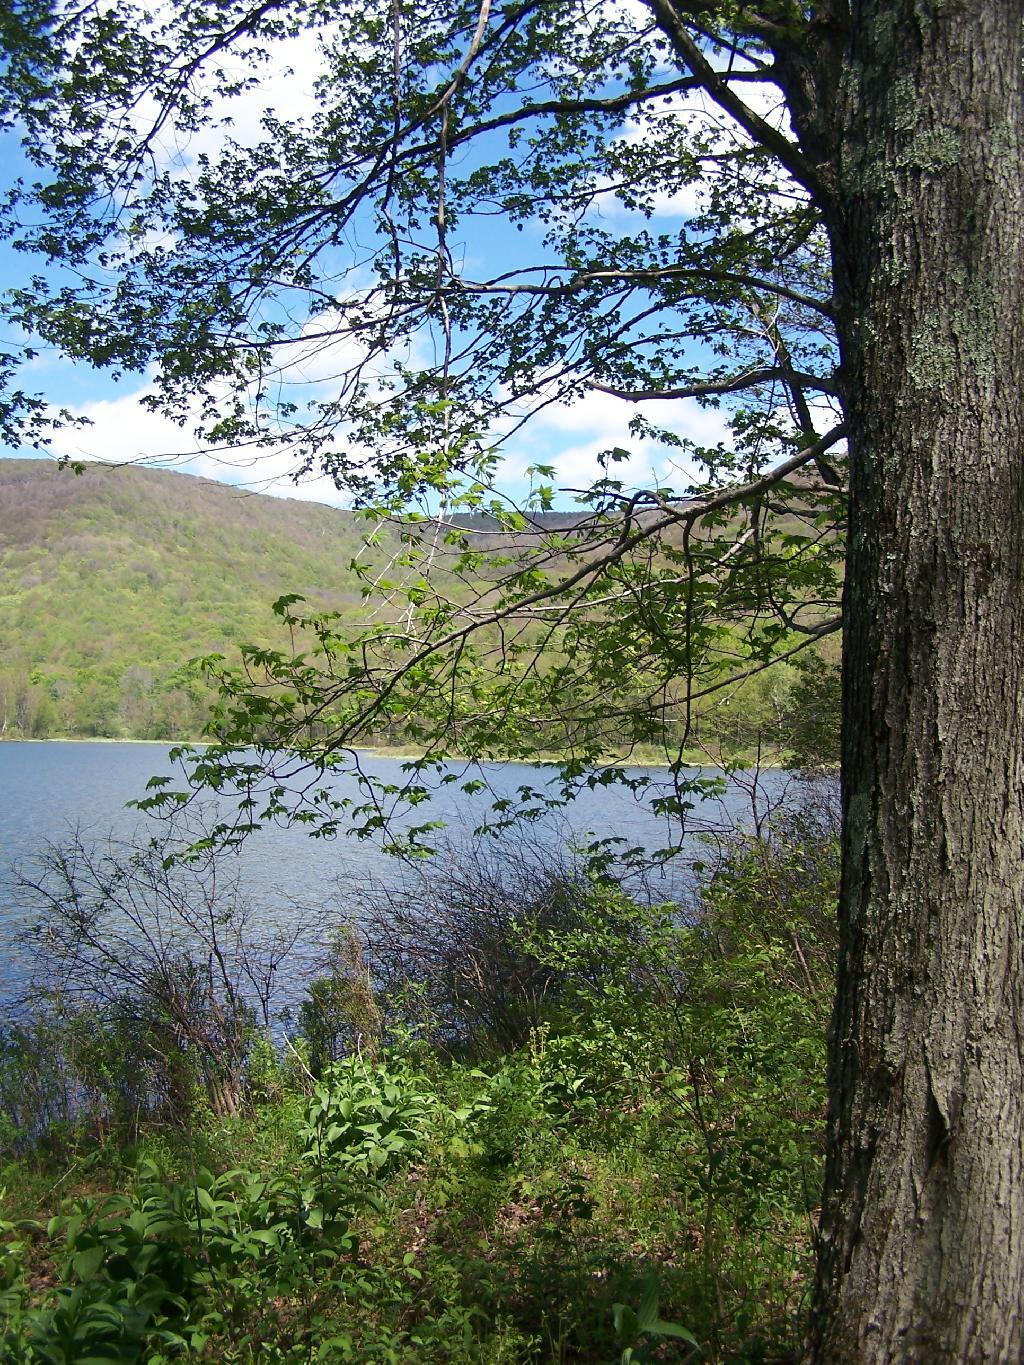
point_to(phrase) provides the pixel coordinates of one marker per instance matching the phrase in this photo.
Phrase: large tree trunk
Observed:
(922, 1238)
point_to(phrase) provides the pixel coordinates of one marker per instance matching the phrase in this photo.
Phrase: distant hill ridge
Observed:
(110, 582)
(536, 521)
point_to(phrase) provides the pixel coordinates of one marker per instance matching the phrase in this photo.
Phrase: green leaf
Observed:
(625, 1321)
(671, 1329)
(86, 1263)
(647, 1313)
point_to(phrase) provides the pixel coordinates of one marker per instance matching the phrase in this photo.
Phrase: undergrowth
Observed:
(636, 1180)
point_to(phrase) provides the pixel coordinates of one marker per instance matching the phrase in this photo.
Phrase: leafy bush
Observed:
(449, 945)
(366, 1119)
(339, 1014)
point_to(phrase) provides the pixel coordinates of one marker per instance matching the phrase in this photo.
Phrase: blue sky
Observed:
(570, 438)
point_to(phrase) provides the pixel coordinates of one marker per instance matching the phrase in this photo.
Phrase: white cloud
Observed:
(569, 437)
(285, 87)
(572, 438)
(123, 430)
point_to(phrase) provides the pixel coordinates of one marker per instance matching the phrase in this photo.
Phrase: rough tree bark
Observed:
(922, 1236)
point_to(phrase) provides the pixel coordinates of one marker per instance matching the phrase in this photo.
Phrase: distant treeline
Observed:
(137, 704)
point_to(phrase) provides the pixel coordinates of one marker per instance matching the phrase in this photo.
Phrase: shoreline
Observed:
(98, 739)
(690, 760)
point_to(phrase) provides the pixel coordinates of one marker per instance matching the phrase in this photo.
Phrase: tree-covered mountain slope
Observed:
(111, 581)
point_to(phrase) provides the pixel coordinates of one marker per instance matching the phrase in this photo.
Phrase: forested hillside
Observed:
(111, 581)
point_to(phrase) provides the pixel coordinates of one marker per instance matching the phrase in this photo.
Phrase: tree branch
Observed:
(641, 276)
(712, 388)
(672, 23)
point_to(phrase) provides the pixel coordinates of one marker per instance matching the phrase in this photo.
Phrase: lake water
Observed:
(50, 790)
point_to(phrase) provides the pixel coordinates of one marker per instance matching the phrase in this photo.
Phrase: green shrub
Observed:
(339, 1014)
(366, 1119)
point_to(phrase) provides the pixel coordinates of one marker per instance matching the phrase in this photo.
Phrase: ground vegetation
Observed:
(629, 1173)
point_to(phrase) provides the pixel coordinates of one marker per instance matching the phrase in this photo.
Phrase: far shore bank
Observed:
(690, 759)
(99, 739)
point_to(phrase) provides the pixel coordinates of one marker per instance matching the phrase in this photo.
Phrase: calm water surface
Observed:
(50, 790)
